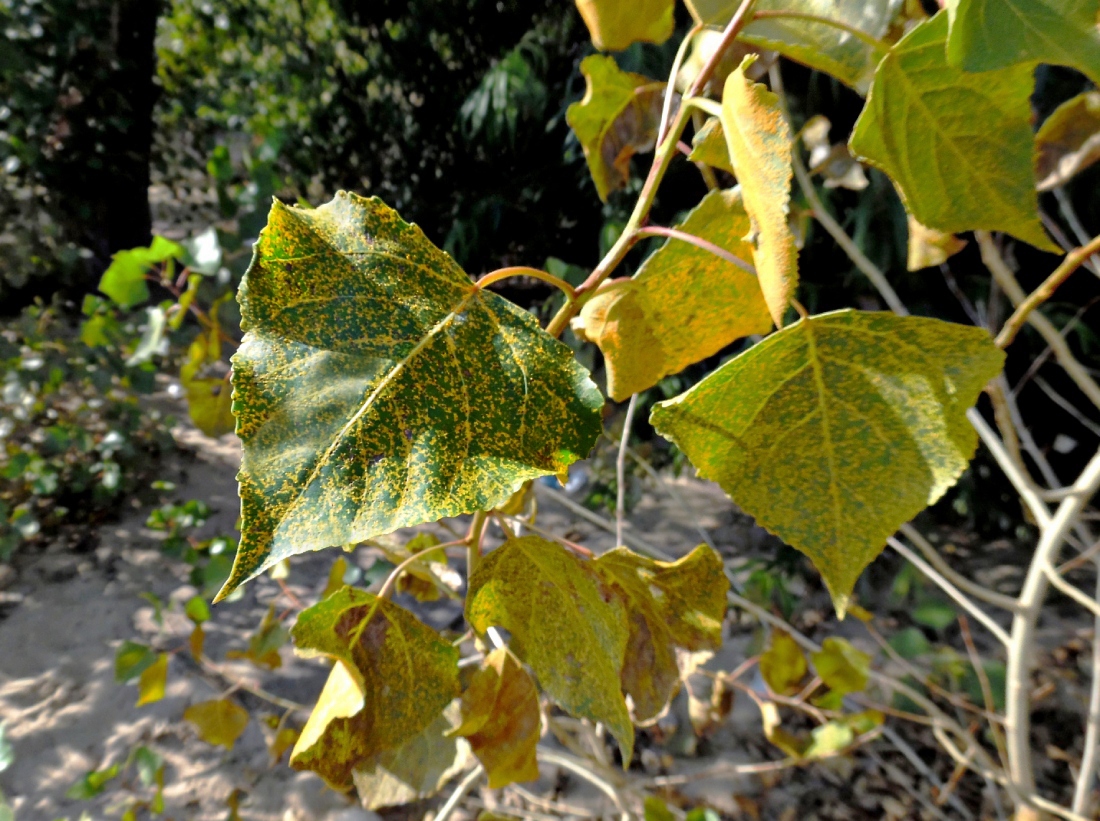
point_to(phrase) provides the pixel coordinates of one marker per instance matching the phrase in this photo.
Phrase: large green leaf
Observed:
(617, 118)
(683, 305)
(818, 45)
(991, 34)
(838, 429)
(393, 678)
(565, 621)
(616, 24)
(759, 142)
(958, 145)
(378, 388)
(670, 605)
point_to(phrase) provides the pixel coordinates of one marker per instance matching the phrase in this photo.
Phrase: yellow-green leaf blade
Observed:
(565, 622)
(759, 142)
(500, 719)
(153, 681)
(617, 118)
(395, 676)
(708, 146)
(377, 388)
(683, 305)
(669, 605)
(992, 34)
(616, 24)
(842, 667)
(783, 664)
(838, 429)
(958, 146)
(219, 721)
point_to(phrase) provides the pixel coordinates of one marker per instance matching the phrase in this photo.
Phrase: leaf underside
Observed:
(838, 429)
(377, 388)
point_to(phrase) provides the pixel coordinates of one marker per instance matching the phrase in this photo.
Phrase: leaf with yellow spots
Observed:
(759, 142)
(616, 24)
(683, 305)
(669, 605)
(500, 719)
(838, 429)
(378, 388)
(394, 678)
(428, 577)
(617, 118)
(565, 621)
(219, 721)
(783, 665)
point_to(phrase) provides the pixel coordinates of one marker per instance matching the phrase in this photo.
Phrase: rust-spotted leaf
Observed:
(616, 24)
(958, 146)
(378, 388)
(395, 677)
(500, 719)
(219, 721)
(565, 621)
(683, 305)
(759, 142)
(617, 119)
(835, 431)
(669, 605)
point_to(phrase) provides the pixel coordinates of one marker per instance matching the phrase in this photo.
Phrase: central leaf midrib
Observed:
(826, 433)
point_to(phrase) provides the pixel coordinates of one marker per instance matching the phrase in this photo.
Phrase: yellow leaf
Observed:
(565, 621)
(220, 721)
(928, 247)
(209, 394)
(395, 678)
(500, 719)
(335, 577)
(708, 146)
(197, 642)
(617, 118)
(841, 666)
(683, 305)
(669, 605)
(521, 502)
(789, 743)
(616, 24)
(828, 739)
(783, 665)
(153, 681)
(759, 142)
(285, 738)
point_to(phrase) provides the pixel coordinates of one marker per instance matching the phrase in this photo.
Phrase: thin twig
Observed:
(1020, 481)
(630, 540)
(620, 470)
(1067, 406)
(1086, 777)
(987, 690)
(698, 242)
(936, 560)
(524, 271)
(584, 770)
(464, 786)
(1065, 206)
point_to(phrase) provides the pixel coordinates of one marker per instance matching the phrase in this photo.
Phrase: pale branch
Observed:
(1020, 481)
(1023, 432)
(1059, 583)
(698, 242)
(584, 770)
(620, 470)
(670, 88)
(630, 540)
(460, 792)
(1065, 206)
(937, 561)
(1086, 776)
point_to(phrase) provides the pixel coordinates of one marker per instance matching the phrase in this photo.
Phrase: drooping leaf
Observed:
(992, 34)
(124, 279)
(783, 664)
(616, 24)
(416, 770)
(669, 605)
(617, 118)
(264, 644)
(928, 247)
(828, 739)
(219, 721)
(335, 577)
(377, 388)
(209, 395)
(131, 660)
(500, 719)
(395, 677)
(684, 304)
(196, 642)
(818, 45)
(958, 146)
(759, 143)
(841, 666)
(153, 681)
(1068, 140)
(703, 45)
(285, 738)
(835, 431)
(774, 731)
(565, 621)
(197, 609)
(708, 146)
(152, 337)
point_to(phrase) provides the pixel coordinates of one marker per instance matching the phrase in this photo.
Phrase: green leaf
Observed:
(131, 660)
(377, 388)
(93, 783)
(395, 677)
(657, 810)
(565, 621)
(828, 739)
(616, 24)
(1068, 141)
(669, 605)
(708, 146)
(500, 719)
(935, 613)
(682, 306)
(150, 342)
(617, 118)
(7, 754)
(197, 609)
(957, 145)
(759, 142)
(838, 429)
(818, 45)
(219, 721)
(783, 664)
(124, 279)
(910, 643)
(841, 666)
(153, 681)
(992, 34)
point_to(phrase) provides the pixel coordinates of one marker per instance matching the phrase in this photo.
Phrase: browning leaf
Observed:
(1068, 142)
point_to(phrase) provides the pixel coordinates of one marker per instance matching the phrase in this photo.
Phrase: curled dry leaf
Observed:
(928, 247)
